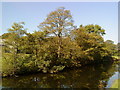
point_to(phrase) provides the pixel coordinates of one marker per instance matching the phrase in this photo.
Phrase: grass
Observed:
(115, 84)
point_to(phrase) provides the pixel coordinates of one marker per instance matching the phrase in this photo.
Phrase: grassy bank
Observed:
(115, 84)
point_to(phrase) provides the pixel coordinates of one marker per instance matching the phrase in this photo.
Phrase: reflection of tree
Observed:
(85, 77)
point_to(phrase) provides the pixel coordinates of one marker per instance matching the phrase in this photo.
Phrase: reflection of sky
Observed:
(111, 80)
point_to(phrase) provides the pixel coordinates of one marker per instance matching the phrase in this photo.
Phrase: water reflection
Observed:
(92, 76)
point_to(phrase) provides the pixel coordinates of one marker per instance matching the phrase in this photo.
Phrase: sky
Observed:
(104, 14)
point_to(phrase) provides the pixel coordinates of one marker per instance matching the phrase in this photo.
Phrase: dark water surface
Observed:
(90, 76)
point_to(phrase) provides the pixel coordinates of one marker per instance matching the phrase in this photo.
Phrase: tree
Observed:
(5, 35)
(111, 47)
(118, 46)
(58, 23)
(92, 44)
(56, 46)
(12, 44)
(94, 29)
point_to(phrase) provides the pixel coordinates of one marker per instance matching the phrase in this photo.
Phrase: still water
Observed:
(90, 76)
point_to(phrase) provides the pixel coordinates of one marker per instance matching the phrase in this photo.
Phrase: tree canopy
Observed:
(57, 45)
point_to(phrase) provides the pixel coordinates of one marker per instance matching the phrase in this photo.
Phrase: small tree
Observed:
(12, 44)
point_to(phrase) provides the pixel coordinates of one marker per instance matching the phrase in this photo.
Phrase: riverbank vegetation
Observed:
(58, 44)
(89, 77)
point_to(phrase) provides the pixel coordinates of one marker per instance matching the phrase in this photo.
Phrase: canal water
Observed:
(89, 76)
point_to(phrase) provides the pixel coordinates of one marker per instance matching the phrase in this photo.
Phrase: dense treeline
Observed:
(57, 45)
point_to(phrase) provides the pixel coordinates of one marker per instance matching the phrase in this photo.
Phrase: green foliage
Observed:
(111, 47)
(95, 29)
(57, 68)
(58, 22)
(92, 45)
(57, 46)
(7, 65)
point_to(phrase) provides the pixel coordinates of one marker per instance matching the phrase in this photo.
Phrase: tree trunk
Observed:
(59, 46)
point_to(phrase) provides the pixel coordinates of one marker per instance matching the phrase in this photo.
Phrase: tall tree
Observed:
(58, 23)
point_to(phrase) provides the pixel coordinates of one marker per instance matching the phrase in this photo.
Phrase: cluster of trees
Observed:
(57, 45)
